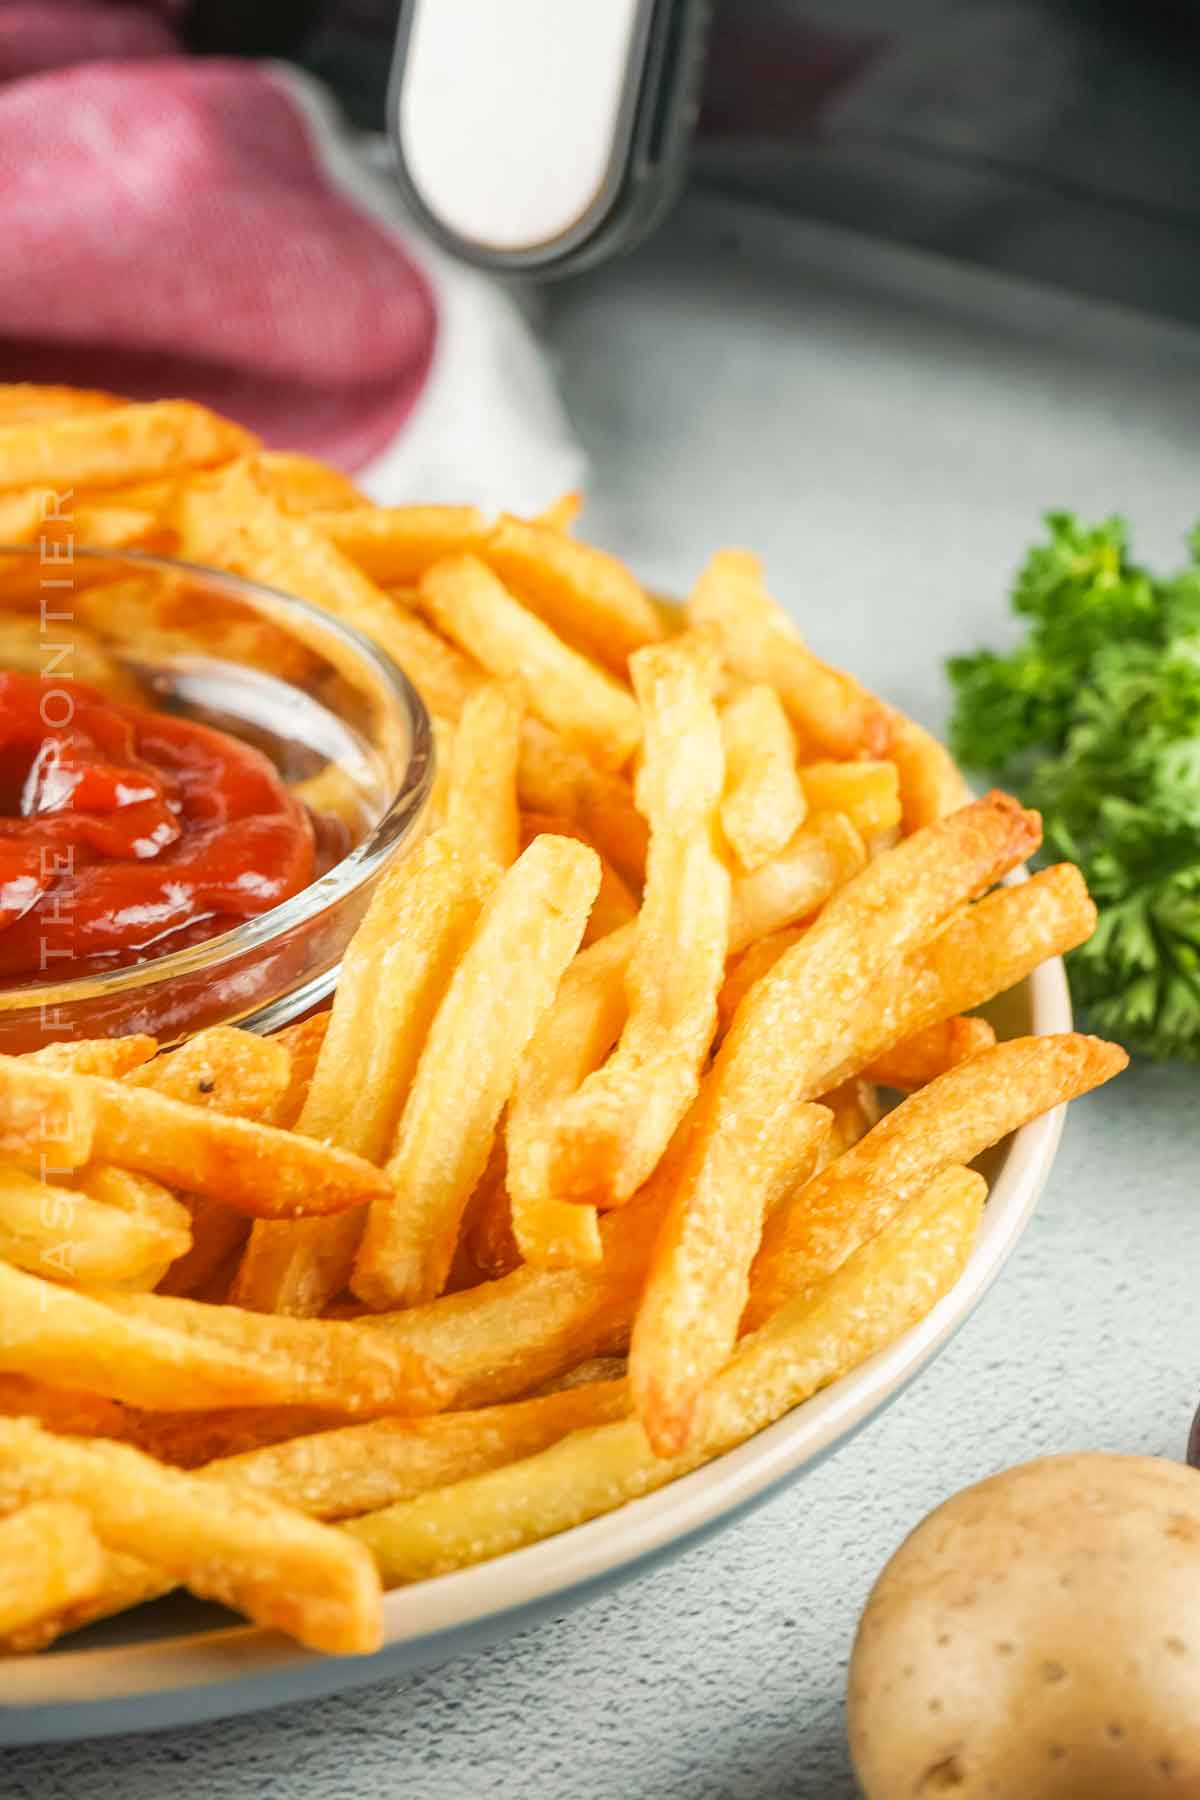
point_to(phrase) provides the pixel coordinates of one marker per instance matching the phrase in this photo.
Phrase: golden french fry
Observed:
(854, 1108)
(607, 1137)
(303, 484)
(47, 1118)
(152, 1351)
(554, 777)
(62, 1409)
(303, 1042)
(487, 1247)
(95, 1056)
(615, 906)
(481, 800)
(31, 402)
(784, 1046)
(587, 597)
(507, 978)
(25, 647)
(867, 792)
(360, 1468)
(218, 1233)
(224, 1069)
(393, 978)
(265, 1560)
(235, 523)
(930, 1053)
(822, 857)
(952, 1120)
(50, 1559)
(764, 804)
(116, 444)
(745, 969)
(78, 1237)
(831, 712)
(931, 784)
(562, 513)
(474, 608)
(395, 545)
(886, 1287)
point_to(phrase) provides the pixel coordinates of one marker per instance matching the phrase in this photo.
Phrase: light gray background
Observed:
(886, 431)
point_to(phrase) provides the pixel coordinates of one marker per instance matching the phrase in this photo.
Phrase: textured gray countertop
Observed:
(886, 432)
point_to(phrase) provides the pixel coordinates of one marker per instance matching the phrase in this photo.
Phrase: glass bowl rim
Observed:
(394, 826)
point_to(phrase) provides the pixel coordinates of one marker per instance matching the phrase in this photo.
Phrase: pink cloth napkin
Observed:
(167, 229)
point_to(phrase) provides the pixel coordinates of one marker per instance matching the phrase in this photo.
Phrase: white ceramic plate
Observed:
(178, 1663)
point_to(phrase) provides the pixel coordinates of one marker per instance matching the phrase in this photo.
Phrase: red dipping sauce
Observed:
(126, 834)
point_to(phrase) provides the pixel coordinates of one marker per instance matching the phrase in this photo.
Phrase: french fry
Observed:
(607, 1137)
(395, 545)
(823, 856)
(615, 905)
(303, 1042)
(224, 1069)
(50, 1559)
(952, 1120)
(95, 1056)
(116, 444)
(889, 1285)
(931, 785)
(764, 804)
(393, 979)
(265, 1560)
(783, 1047)
(481, 801)
(303, 484)
(587, 597)
(749, 966)
(151, 1351)
(218, 1233)
(62, 1409)
(854, 1108)
(32, 402)
(487, 1247)
(831, 712)
(360, 1468)
(554, 777)
(868, 793)
(25, 647)
(47, 1118)
(507, 978)
(69, 1236)
(235, 523)
(929, 1053)
(473, 608)
(562, 513)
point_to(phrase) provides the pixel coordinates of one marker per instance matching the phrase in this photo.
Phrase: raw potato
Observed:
(1037, 1638)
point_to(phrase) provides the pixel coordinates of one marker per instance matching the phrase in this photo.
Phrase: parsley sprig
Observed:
(1095, 719)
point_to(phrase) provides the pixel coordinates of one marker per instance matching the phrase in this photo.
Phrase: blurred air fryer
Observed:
(1056, 139)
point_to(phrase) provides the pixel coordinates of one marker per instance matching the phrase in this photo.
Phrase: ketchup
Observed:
(126, 834)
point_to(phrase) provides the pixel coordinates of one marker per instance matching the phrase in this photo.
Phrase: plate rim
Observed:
(216, 1673)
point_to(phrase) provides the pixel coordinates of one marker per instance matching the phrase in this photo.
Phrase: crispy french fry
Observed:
(32, 402)
(395, 545)
(50, 1559)
(481, 802)
(359, 1468)
(854, 1108)
(473, 607)
(554, 777)
(823, 856)
(225, 1069)
(303, 1042)
(587, 597)
(26, 647)
(47, 1118)
(62, 1409)
(764, 804)
(83, 1236)
(95, 1056)
(265, 1560)
(831, 712)
(303, 484)
(393, 979)
(929, 1053)
(507, 978)
(235, 523)
(749, 966)
(867, 792)
(487, 1244)
(886, 1287)
(931, 784)
(952, 1120)
(615, 905)
(116, 444)
(218, 1233)
(562, 513)
(784, 1046)
(151, 1351)
(607, 1137)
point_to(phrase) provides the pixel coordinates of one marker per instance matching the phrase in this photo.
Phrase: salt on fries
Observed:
(286, 1320)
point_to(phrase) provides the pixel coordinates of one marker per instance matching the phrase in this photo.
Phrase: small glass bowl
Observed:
(336, 717)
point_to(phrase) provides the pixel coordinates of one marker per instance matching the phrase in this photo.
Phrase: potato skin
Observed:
(1037, 1637)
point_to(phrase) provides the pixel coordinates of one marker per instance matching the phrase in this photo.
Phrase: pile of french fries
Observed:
(584, 1178)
